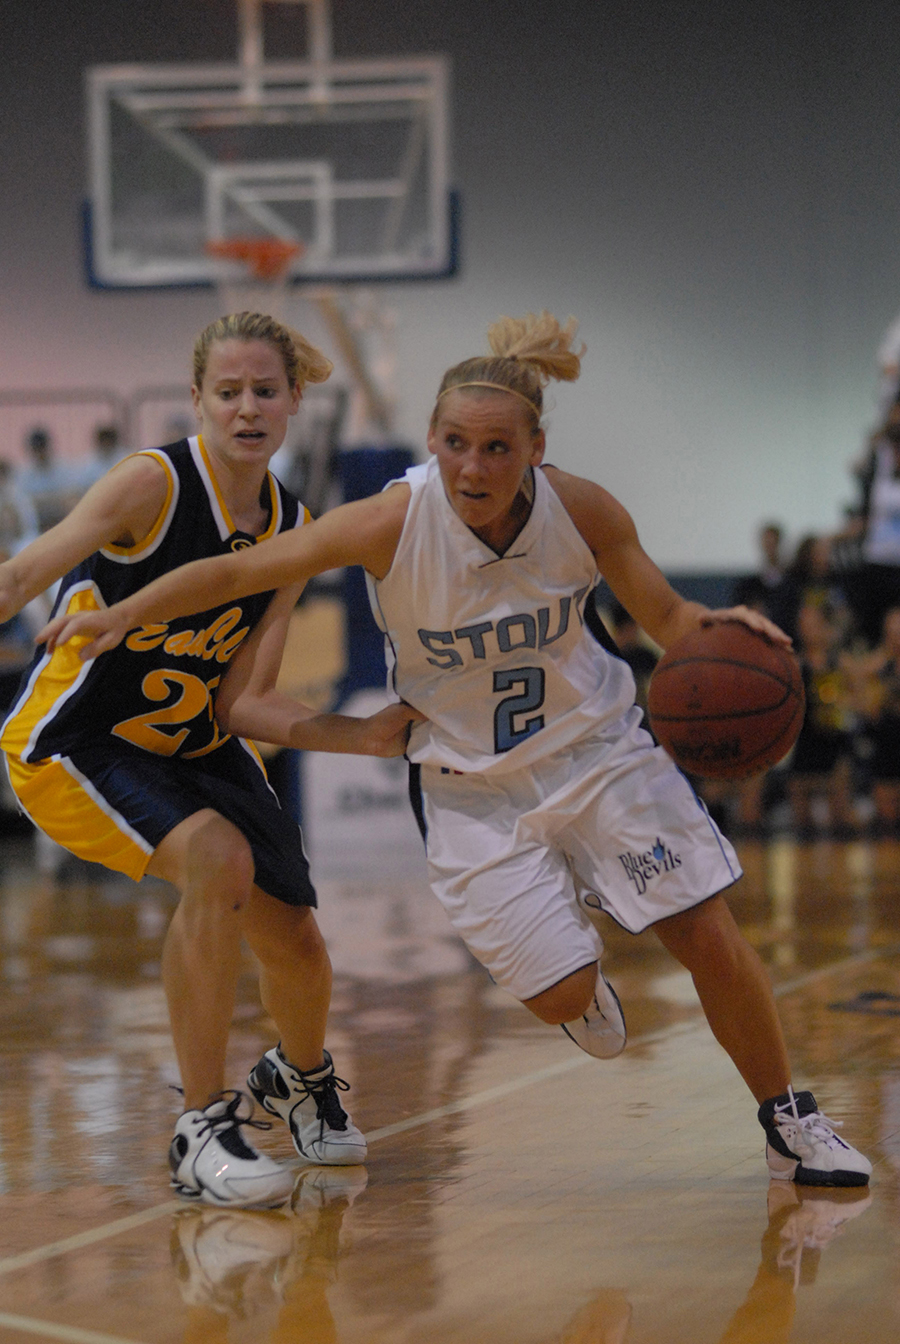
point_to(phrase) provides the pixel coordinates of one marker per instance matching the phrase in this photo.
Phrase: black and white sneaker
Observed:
(212, 1161)
(601, 1031)
(308, 1103)
(802, 1146)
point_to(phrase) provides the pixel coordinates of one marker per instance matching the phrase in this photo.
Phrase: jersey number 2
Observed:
(192, 698)
(531, 679)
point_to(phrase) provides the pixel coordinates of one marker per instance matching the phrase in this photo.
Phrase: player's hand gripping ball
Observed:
(725, 702)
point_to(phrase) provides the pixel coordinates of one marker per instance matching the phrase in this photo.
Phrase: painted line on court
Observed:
(81, 1239)
(50, 1330)
(120, 1225)
(89, 1238)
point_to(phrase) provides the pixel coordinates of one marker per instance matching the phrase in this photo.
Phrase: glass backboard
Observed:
(350, 159)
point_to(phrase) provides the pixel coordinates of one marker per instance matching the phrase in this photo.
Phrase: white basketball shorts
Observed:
(610, 815)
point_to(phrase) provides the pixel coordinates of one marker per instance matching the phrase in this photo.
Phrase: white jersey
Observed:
(494, 649)
(882, 543)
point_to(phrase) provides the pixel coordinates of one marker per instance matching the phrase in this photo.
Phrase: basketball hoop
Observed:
(266, 259)
(259, 280)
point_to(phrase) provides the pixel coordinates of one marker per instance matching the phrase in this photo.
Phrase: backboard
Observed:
(348, 158)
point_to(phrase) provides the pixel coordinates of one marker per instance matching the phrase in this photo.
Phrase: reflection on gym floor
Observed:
(517, 1191)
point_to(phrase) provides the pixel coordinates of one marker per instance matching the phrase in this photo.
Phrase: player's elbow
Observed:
(240, 716)
(226, 717)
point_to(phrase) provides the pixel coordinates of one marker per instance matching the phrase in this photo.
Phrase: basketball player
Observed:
(541, 798)
(124, 762)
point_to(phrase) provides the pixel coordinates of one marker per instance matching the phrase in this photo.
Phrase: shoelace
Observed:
(812, 1126)
(324, 1093)
(230, 1115)
(229, 1119)
(227, 1126)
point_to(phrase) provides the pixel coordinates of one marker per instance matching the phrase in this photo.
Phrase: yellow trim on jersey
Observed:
(274, 509)
(61, 805)
(53, 679)
(111, 548)
(255, 753)
(274, 500)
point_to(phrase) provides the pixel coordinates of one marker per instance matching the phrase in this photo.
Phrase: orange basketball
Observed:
(725, 702)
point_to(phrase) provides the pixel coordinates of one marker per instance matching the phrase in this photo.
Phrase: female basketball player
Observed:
(541, 798)
(123, 761)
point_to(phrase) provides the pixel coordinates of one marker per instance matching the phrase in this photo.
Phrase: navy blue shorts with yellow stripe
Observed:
(112, 803)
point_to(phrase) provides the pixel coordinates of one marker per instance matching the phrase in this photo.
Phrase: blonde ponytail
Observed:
(527, 353)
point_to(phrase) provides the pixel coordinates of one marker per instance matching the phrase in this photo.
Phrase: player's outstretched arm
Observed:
(385, 733)
(254, 701)
(364, 532)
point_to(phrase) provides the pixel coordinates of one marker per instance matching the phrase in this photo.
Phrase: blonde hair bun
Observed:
(527, 352)
(540, 340)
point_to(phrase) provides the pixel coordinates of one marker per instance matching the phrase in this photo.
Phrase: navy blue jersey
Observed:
(157, 690)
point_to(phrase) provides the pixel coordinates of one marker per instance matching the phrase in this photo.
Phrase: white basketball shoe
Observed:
(212, 1161)
(601, 1031)
(322, 1131)
(802, 1146)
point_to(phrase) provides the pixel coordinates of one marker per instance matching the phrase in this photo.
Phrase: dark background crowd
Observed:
(838, 597)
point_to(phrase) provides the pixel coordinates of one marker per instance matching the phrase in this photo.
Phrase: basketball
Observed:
(725, 702)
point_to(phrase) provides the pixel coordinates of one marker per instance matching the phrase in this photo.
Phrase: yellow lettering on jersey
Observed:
(147, 637)
(179, 643)
(206, 643)
(217, 739)
(216, 642)
(228, 646)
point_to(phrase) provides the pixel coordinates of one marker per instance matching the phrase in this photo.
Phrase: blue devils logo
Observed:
(641, 869)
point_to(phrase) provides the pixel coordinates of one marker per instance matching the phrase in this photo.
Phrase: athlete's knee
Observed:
(568, 999)
(283, 933)
(217, 863)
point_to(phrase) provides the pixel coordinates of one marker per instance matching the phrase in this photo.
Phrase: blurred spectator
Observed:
(108, 450)
(18, 526)
(888, 369)
(877, 680)
(876, 585)
(51, 487)
(811, 580)
(822, 764)
(737, 806)
(757, 590)
(18, 519)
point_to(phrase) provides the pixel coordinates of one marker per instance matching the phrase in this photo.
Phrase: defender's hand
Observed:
(387, 732)
(102, 630)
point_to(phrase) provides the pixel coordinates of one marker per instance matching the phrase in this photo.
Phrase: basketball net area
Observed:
(280, 183)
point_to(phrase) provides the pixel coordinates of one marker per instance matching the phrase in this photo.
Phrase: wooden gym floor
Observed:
(517, 1192)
